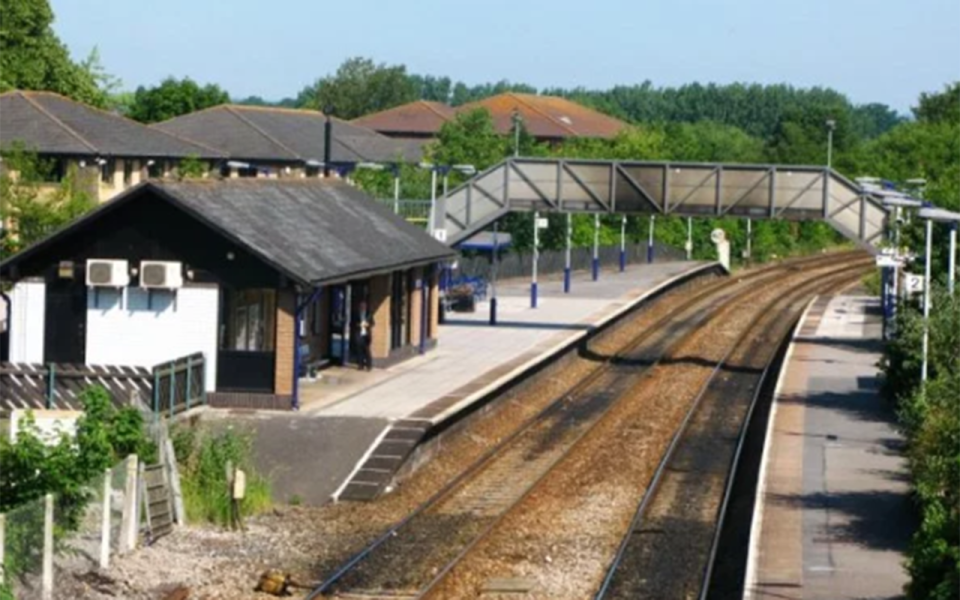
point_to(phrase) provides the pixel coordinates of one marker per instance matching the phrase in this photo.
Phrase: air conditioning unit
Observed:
(102, 272)
(161, 274)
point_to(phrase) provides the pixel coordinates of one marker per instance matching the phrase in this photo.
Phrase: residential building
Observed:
(547, 118)
(262, 276)
(108, 153)
(284, 142)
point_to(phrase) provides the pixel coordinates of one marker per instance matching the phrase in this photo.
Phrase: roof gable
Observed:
(52, 124)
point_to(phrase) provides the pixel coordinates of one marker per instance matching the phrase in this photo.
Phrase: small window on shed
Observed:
(127, 172)
(155, 169)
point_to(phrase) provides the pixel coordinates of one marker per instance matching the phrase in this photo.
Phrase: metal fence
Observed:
(516, 264)
(179, 385)
(415, 211)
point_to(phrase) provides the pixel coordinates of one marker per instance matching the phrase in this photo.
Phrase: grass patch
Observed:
(203, 454)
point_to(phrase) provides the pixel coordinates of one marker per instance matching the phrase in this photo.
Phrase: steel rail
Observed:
(488, 458)
(652, 489)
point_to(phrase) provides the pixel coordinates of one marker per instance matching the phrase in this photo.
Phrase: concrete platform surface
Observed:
(833, 516)
(470, 347)
(355, 427)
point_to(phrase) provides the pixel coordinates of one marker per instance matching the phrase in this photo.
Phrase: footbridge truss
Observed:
(662, 188)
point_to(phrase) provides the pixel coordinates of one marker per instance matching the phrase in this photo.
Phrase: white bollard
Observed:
(46, 585)
(105, 523)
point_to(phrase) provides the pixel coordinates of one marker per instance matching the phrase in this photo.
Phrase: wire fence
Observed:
(53, 546)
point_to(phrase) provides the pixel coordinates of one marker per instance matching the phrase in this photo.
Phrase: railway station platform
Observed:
(833, 515)
(355, 428)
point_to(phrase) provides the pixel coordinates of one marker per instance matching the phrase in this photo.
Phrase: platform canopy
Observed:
(662, 188)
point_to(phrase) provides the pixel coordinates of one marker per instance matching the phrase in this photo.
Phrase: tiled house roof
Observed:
(49, 123)
(283, 134)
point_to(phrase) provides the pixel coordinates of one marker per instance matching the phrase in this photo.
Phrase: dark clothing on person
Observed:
(363, 336)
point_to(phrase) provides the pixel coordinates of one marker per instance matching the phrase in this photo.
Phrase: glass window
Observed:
(127, 172)
(107, 168)
(250, 317)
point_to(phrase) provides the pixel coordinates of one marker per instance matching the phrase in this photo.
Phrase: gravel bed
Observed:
(563, 536)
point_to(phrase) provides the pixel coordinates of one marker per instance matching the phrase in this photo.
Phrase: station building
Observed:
(263, 276)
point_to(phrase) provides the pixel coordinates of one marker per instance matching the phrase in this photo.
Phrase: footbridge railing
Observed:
(668, 188)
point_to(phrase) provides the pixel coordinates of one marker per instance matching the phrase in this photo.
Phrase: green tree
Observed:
(173, 98)
(33, 58)
(469, 138)
(29, 205)
(940, 107)
(359, 87)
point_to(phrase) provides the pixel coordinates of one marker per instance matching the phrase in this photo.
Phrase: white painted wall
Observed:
(122, 329)
(29, 300)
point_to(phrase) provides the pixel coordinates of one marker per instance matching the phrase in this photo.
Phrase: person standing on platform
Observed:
(363, 332)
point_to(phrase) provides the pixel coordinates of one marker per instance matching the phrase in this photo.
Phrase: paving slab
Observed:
(834, 516)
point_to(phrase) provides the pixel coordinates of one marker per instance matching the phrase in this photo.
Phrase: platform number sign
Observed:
(913, 284)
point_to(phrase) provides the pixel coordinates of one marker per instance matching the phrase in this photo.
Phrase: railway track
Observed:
(671, 544)
(410, 558)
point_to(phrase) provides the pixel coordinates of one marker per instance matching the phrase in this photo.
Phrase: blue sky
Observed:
(872, 50)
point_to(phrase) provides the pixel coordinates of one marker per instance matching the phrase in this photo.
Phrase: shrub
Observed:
(203, 454)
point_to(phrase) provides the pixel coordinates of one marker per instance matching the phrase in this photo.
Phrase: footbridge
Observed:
(662, 188)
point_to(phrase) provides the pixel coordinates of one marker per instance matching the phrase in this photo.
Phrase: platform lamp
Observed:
(939, 215)
(831, 125)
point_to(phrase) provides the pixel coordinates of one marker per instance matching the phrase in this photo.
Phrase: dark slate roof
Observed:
(312, 230)
(284, 134)
(48, 123)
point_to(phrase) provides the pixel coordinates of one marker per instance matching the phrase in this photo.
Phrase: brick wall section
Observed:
(379, 305)
(283, 370)
(434, 305)
(416, 308)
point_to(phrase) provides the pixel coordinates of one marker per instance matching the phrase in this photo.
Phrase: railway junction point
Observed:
(355, 428)
(833, 514)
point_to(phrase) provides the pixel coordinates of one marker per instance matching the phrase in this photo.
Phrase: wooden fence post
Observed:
(128, 521)
(46, 585)
(3, 543)
(178, 512)
(105, 522)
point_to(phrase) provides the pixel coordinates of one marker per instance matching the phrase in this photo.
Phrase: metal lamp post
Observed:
(536, 259)
(595, 265)
(517, 121)
(566, 257)
(623, 243)
(831, 125)
(653, 220)
(931, 214)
